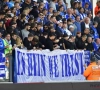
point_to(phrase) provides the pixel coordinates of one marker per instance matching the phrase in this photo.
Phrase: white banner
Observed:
(46, 66)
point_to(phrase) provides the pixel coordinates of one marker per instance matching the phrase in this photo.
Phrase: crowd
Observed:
(48, 24)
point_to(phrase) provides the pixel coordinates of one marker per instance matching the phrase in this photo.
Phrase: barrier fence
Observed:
(45, 66)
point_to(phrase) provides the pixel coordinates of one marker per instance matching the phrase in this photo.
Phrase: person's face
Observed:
(86, 31)
(41, 8)
(86, 5)
(51, 10)
(76, 5)
(17, 6)
(14, 26)
(28, 27)
(9, 12)
(6, 8)
(14, 37)
(98, 41)
(65, 24)
(46, 27)
(84, 38)
(69, 11)
(60, 24)
(52, 30)
(8, 37)
(82, 10)
(14, 10)
(45, 12)
(41, 16)
(30, 38)
(79, 34)
(55, 13)
(89, 39)
(54, 19)
(62, 9)
(96, 25)
(78, 19)
(39, 27)
(87, 20)
(60, 2)
(52, 37)
(71, 29)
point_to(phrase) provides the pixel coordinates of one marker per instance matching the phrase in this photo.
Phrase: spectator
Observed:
(97, 19)
(94, 30)
(65, 27)
(28, 41)
(43, 38)
(81, 44)
(70, 14)
(89, 46)
(78, 23)
(96, 44)
(53, 4)
(2, 47)
(25, 31)
(49, 42)
(19, 42)
(37, 45)
(21, 21)
(97, 8)
(7, 44)
(85, 24)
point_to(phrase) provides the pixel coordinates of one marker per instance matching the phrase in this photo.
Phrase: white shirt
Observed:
(87, 25)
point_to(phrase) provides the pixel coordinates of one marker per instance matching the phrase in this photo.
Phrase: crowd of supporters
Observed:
(48, 24)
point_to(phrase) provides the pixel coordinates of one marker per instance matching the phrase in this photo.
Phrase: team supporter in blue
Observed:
(78, 23)
(82, 13)
(87, 1)
(61, 10)
(96, 44)
(94, 30)
(70, 14)
(2, 46)
(17, 6)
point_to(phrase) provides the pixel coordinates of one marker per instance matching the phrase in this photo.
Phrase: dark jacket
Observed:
(90, 47)
(49, 44)
(28, 44)
(80, 44)
(69, 45)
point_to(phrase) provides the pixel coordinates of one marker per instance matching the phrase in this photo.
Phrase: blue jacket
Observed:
(96, 46)
(78, 25)
(95, 35)
(67, 17)
(88, 1)
(2, 47)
